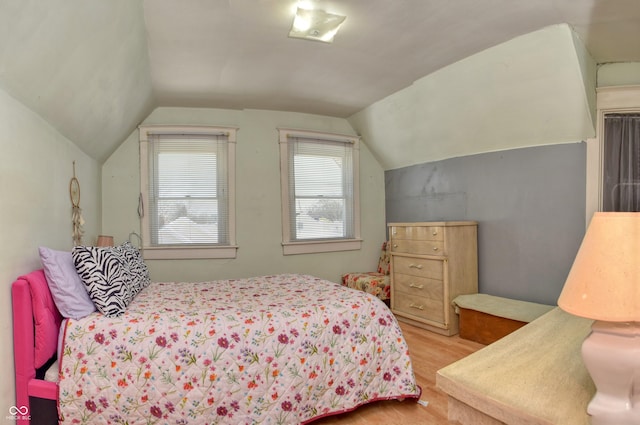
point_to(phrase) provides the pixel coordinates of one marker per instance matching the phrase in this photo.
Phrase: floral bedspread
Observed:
(282, 349)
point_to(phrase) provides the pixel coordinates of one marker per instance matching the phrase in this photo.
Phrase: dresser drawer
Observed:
(418, 233)
(419, 307)
(419, 286)
(431, 264)
(417, 247)
(419, 267)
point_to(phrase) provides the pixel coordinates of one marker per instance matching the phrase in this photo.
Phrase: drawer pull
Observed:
(395, 245)
(415, 266)
(435, 248)
(434, 232)
(413, 285)
(419, 307)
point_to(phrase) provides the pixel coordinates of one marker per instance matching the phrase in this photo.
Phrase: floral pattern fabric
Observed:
(282, 349)
(384, 262)
(376, 283)
(373, 283)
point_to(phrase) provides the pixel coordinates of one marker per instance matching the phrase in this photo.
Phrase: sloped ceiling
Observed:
(498, 99)
(95, 69)
(81, 65)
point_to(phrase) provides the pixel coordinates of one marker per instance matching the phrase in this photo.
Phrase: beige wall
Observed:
(258, 219)
(35, 169)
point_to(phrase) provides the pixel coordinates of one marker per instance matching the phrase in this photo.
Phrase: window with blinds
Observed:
(320, 191)
(189, 196)
(188, 190)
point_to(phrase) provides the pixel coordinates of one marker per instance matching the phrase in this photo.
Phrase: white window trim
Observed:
(297, 247)
(610, 100)
(182, 252)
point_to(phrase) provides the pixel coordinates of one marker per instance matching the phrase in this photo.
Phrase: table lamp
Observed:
(604, 285)
(104, 240)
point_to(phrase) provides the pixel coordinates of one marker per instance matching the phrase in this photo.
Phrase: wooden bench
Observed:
(487, 318)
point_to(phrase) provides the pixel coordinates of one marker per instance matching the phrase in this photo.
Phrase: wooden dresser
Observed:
(431, 264)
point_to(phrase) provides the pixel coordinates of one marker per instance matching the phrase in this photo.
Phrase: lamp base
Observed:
(611, 354)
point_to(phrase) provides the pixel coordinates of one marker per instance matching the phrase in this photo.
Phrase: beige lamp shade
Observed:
(604, 282)
(104, 240)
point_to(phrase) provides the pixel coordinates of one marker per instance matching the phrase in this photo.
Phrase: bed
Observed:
(274, 349)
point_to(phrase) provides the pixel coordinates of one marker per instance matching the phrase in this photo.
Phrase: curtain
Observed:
(621, 168)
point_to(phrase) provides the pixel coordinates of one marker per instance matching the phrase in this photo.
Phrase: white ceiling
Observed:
(95, 69)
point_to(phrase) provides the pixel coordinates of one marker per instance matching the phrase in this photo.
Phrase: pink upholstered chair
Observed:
(376, 283)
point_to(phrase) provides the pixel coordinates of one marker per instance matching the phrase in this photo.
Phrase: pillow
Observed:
(105, 273)
(66, 288)
(139, 270)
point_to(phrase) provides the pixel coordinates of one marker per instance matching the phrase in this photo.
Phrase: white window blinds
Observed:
(321, 189)
(188, 190)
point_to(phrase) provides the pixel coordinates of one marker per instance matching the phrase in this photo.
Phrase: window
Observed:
(621, 163)
(612, 157)
(187, 180)
(320, 191)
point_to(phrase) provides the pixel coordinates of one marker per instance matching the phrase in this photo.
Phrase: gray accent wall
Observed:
(529, 204)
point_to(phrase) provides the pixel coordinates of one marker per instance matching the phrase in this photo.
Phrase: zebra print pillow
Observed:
(137, 267)
(107, 276)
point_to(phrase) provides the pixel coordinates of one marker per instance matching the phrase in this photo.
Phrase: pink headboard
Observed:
(46, 317)
(36, 324)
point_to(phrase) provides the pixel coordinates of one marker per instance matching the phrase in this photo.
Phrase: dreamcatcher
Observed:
(76, 212)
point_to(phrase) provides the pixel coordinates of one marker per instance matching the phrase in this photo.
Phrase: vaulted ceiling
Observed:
(95, 69)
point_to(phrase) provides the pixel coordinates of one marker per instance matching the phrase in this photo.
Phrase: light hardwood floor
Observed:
(429, 353)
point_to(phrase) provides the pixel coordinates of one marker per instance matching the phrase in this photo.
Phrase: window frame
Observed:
(184, 251)
(291, 247)
(609, 100)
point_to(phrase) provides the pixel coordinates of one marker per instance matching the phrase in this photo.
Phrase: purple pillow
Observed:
(67, 290)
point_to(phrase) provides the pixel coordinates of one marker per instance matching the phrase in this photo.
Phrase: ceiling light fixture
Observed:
(316, 25)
